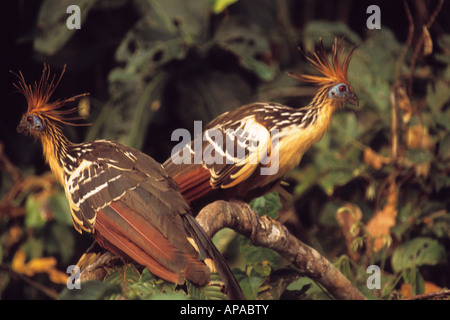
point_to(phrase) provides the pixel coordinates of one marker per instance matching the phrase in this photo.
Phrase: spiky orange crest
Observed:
(39, 94)
(334, 72)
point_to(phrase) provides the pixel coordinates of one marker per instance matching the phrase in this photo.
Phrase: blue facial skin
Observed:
(339, 91)
(30, 123)
(342, 91)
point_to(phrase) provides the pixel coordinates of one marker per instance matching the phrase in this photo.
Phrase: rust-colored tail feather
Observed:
(194, 182)
(124, 232)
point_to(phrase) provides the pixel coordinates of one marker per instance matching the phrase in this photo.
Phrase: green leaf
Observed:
(91, 290)
(250, 283)
(260, 259)
(444, 147)
(335, 177)
(418, 156)
(34, 247)
(189, 19)
(60, 241)
(438, 94)
(125, 276)
(415, 279)
(212, 291)
(136, 285)
(268, 205)
(148, 286)
(306, 285)
(372, 71)
(347, 126)
(248, 43)
(34, 217)
(220, 5)
(328, 213)
(60, 208)
(53, 33)
(256, 255)
(5, 278)
(278, 282)
(417, 252)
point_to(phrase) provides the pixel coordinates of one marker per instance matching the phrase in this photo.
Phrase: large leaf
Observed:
(438, 95)
(165, 33)
(52, 32)
(372, 70)
(249, 44)
(417, 252)
(250, 283)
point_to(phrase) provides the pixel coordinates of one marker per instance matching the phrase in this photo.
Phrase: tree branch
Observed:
(267, 232)
(441, 294)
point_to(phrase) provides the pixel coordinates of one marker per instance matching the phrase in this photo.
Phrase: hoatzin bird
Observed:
(236, 147)
(121, 196)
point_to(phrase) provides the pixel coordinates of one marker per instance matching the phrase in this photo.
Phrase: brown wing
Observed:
(234, 144)
(134, 209)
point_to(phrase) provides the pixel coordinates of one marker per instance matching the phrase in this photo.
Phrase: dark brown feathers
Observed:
(134, 209)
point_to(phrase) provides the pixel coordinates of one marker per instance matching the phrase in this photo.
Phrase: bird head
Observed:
(43, 115)
(334, 80)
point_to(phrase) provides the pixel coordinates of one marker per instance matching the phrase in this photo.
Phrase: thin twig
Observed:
(51, 293)
(420, 42)
(431, 295)
(434, 14)
(407, 44)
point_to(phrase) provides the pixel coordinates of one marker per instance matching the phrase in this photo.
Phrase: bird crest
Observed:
(333, 72)
(38, 97)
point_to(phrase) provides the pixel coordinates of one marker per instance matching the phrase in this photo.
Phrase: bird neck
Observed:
(316, 116)
(55, 145)
(308, 126)
(322, 102)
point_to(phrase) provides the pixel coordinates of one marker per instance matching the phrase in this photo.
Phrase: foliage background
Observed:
(375, 190)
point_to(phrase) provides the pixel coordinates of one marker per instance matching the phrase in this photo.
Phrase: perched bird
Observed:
(121, 196)
(245, 152)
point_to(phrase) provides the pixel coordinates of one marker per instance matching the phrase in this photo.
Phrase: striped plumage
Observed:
(123, 197)
(274, 135)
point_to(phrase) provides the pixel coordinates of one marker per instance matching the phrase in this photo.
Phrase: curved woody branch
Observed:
(267, 232)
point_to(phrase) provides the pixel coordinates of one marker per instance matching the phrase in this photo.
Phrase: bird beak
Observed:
(352, 99)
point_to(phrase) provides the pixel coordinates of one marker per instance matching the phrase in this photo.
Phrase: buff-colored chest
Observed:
(295, 140)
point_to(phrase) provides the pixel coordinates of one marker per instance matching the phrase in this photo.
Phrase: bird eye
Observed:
(30, 119)
(342, 88)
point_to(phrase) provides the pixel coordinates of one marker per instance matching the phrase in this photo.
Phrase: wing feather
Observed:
(134, 209)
